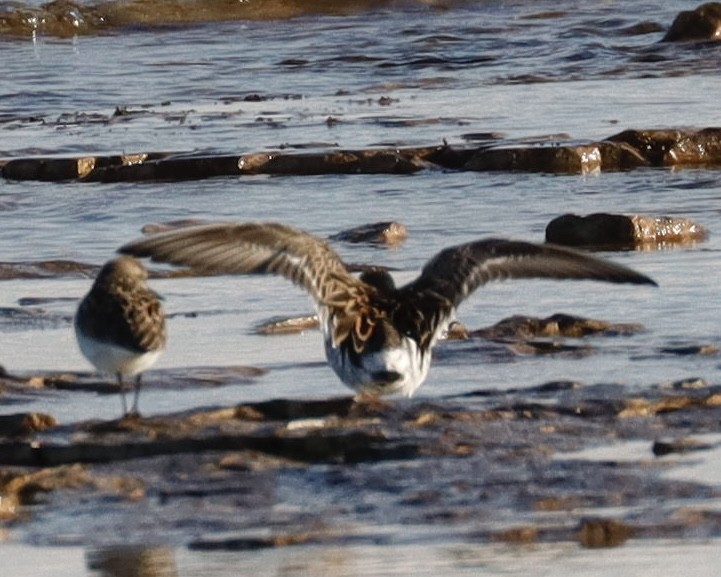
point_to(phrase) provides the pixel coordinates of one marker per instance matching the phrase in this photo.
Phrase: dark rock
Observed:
(674, 147)
(558, 159)
(340, 162)
(593, 230)
(661, 448)
(691, 350)
(700, 24)
(59, 169)
(167, 169)
(24, 423)
(385, 233)
(553, 159)
(554, 154)
(532, 347)
(46, 169)
(601, 230)
(559, 324)
(125, 560)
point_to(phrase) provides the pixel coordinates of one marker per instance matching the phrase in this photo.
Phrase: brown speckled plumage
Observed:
(121, 318)
(367, 315)
(121, 309)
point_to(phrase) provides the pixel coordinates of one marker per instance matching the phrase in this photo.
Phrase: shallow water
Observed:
(398, 74)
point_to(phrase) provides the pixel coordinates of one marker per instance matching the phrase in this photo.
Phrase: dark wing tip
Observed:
(643, 279)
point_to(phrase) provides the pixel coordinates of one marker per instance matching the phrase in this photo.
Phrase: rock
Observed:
(24, 488)
(19, 424)
(674, 147)
(664, 230)
(559, 324)
(624, 151)
(171, 169)
(679, 446)
(125, 560)
(381, 161)
(47, 169)
(549, 348)
(46, 269)
(598, 229)
(645, 408)
(604, 533)
(286, 326)
(553, 159)
(702, 23)
(517, 535)
(456, 331)
(154, 228)
(558, 159)
(385, 233)
(58, 169)
(691, 350)
(602, 230)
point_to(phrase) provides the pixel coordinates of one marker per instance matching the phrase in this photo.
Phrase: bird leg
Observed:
(134, 410)
(122, 393)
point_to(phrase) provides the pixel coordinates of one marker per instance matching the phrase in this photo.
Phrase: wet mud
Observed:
(500, 466)
(485, 466)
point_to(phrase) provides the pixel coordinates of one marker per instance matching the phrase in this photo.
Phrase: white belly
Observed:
(405, 360)
(111, 359)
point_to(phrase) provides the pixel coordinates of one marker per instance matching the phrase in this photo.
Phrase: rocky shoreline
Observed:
(627, 150)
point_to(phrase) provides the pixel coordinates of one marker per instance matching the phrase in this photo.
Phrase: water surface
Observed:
(386, 73)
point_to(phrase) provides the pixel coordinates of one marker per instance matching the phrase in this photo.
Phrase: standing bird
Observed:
(120, 325)
(378, 337)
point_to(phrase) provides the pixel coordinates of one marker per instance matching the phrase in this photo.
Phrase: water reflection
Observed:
(131, 561)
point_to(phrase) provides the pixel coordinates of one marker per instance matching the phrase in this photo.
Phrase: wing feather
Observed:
(253, 248)
(454, 273)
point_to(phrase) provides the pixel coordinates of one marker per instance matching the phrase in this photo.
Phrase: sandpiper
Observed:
(119, 325)
(378, 337)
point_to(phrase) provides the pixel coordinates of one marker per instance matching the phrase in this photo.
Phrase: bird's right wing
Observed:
(455, 272)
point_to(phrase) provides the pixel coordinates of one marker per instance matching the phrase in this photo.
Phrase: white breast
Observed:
(405, 360)
(112, 359)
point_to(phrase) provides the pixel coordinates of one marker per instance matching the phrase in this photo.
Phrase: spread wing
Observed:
(455, 272)
(255, 248)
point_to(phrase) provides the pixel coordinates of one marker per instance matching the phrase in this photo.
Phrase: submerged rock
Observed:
(288, 325)
(604, 532)
(384, 233)
(153, 228)
(46, 269)
(559, 324)
(621, 231)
